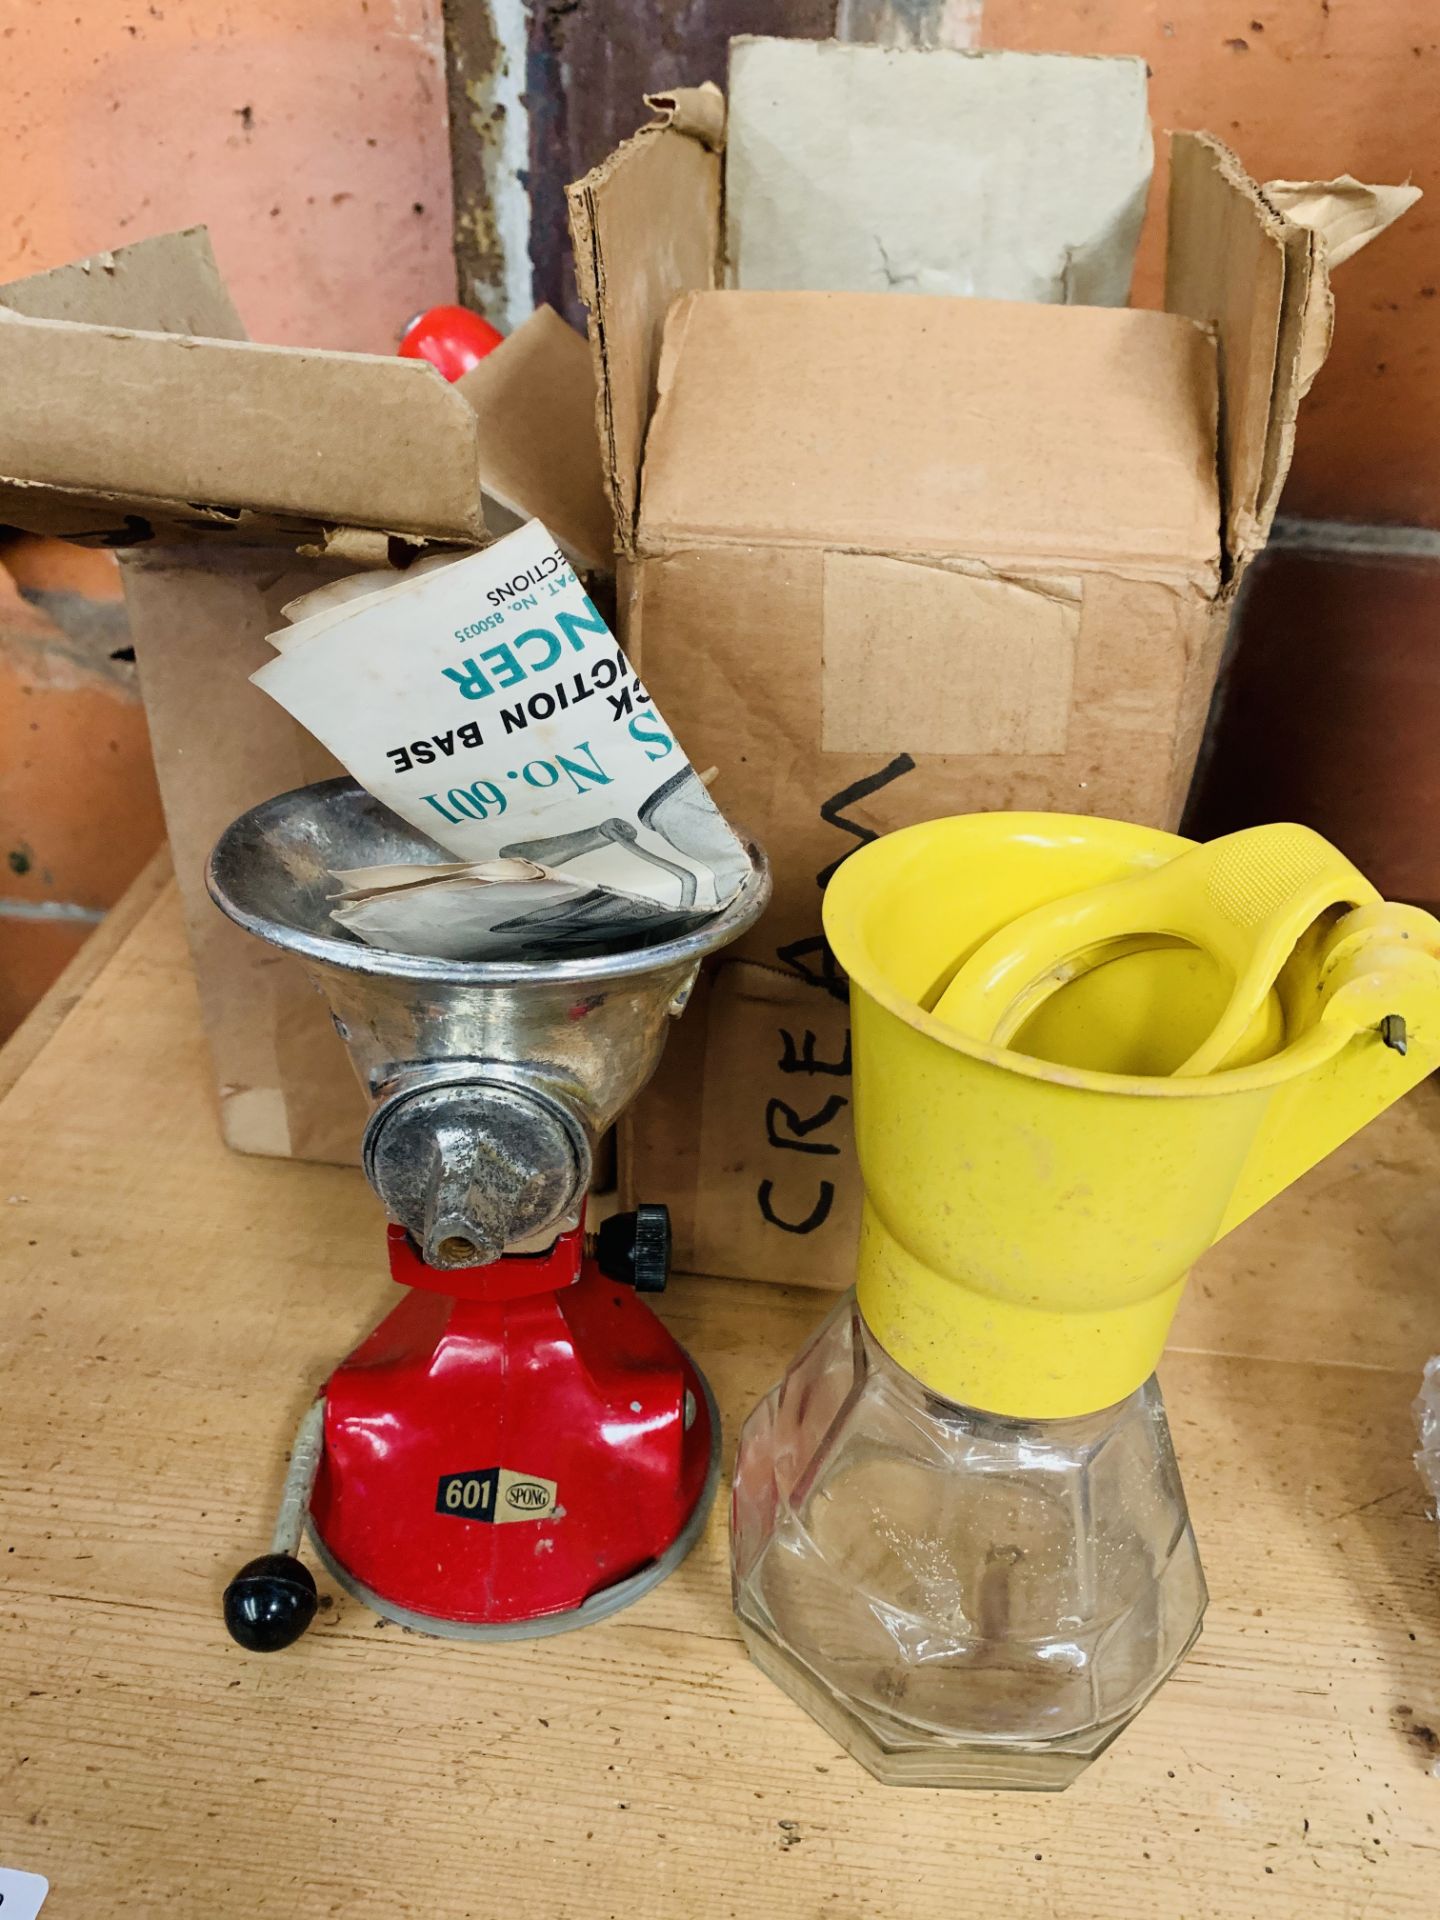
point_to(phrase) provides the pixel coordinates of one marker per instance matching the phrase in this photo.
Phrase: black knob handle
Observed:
(270, 1602)
(634, 1248)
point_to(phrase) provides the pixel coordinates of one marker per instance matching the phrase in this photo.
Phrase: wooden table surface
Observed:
(167, 1311)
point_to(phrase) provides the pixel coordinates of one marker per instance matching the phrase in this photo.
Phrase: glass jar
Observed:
(959, 1598)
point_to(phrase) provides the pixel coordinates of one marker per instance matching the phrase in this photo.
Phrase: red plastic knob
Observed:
(453, 339)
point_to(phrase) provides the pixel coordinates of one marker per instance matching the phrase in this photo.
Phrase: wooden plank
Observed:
(166, 1311)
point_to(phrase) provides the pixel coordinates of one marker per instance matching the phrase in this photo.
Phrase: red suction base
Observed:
(526, 1459)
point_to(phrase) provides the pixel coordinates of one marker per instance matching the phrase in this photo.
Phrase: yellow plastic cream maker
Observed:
(1083, 1051)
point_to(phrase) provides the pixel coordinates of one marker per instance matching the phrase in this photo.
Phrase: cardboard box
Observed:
(233, 477)
(889, 556)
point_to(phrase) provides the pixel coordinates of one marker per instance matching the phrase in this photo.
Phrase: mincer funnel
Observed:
(489, 1082)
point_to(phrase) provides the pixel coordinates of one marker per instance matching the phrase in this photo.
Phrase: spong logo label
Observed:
(495, 1494)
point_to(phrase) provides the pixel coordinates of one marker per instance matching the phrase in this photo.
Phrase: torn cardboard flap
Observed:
(1010, 176)
(645, 226)
(1345, 212)
(352, 546)
(1334, 219)
(1254, 264)
(1226, 268)
(1011, 433)
(698, 111)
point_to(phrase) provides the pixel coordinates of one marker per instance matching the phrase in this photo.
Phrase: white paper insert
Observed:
(487, 703)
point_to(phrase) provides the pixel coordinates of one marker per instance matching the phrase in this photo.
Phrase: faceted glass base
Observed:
(960, 1599)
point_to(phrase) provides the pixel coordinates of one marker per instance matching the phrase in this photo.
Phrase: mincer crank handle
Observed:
(272, 1600)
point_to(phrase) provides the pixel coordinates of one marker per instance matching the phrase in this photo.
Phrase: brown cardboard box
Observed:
(889, 556)
(235, 476)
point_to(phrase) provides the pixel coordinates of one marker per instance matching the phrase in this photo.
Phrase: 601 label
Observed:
(470, 1495)
(494, 1494)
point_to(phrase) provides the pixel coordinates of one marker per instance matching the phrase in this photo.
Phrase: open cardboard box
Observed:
(232, 477)
(888, 556)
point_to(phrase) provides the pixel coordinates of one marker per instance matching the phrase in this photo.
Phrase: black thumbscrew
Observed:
(270, 1602)
(634, 1248)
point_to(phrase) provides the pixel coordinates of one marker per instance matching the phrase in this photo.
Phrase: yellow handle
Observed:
(1246, 900)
